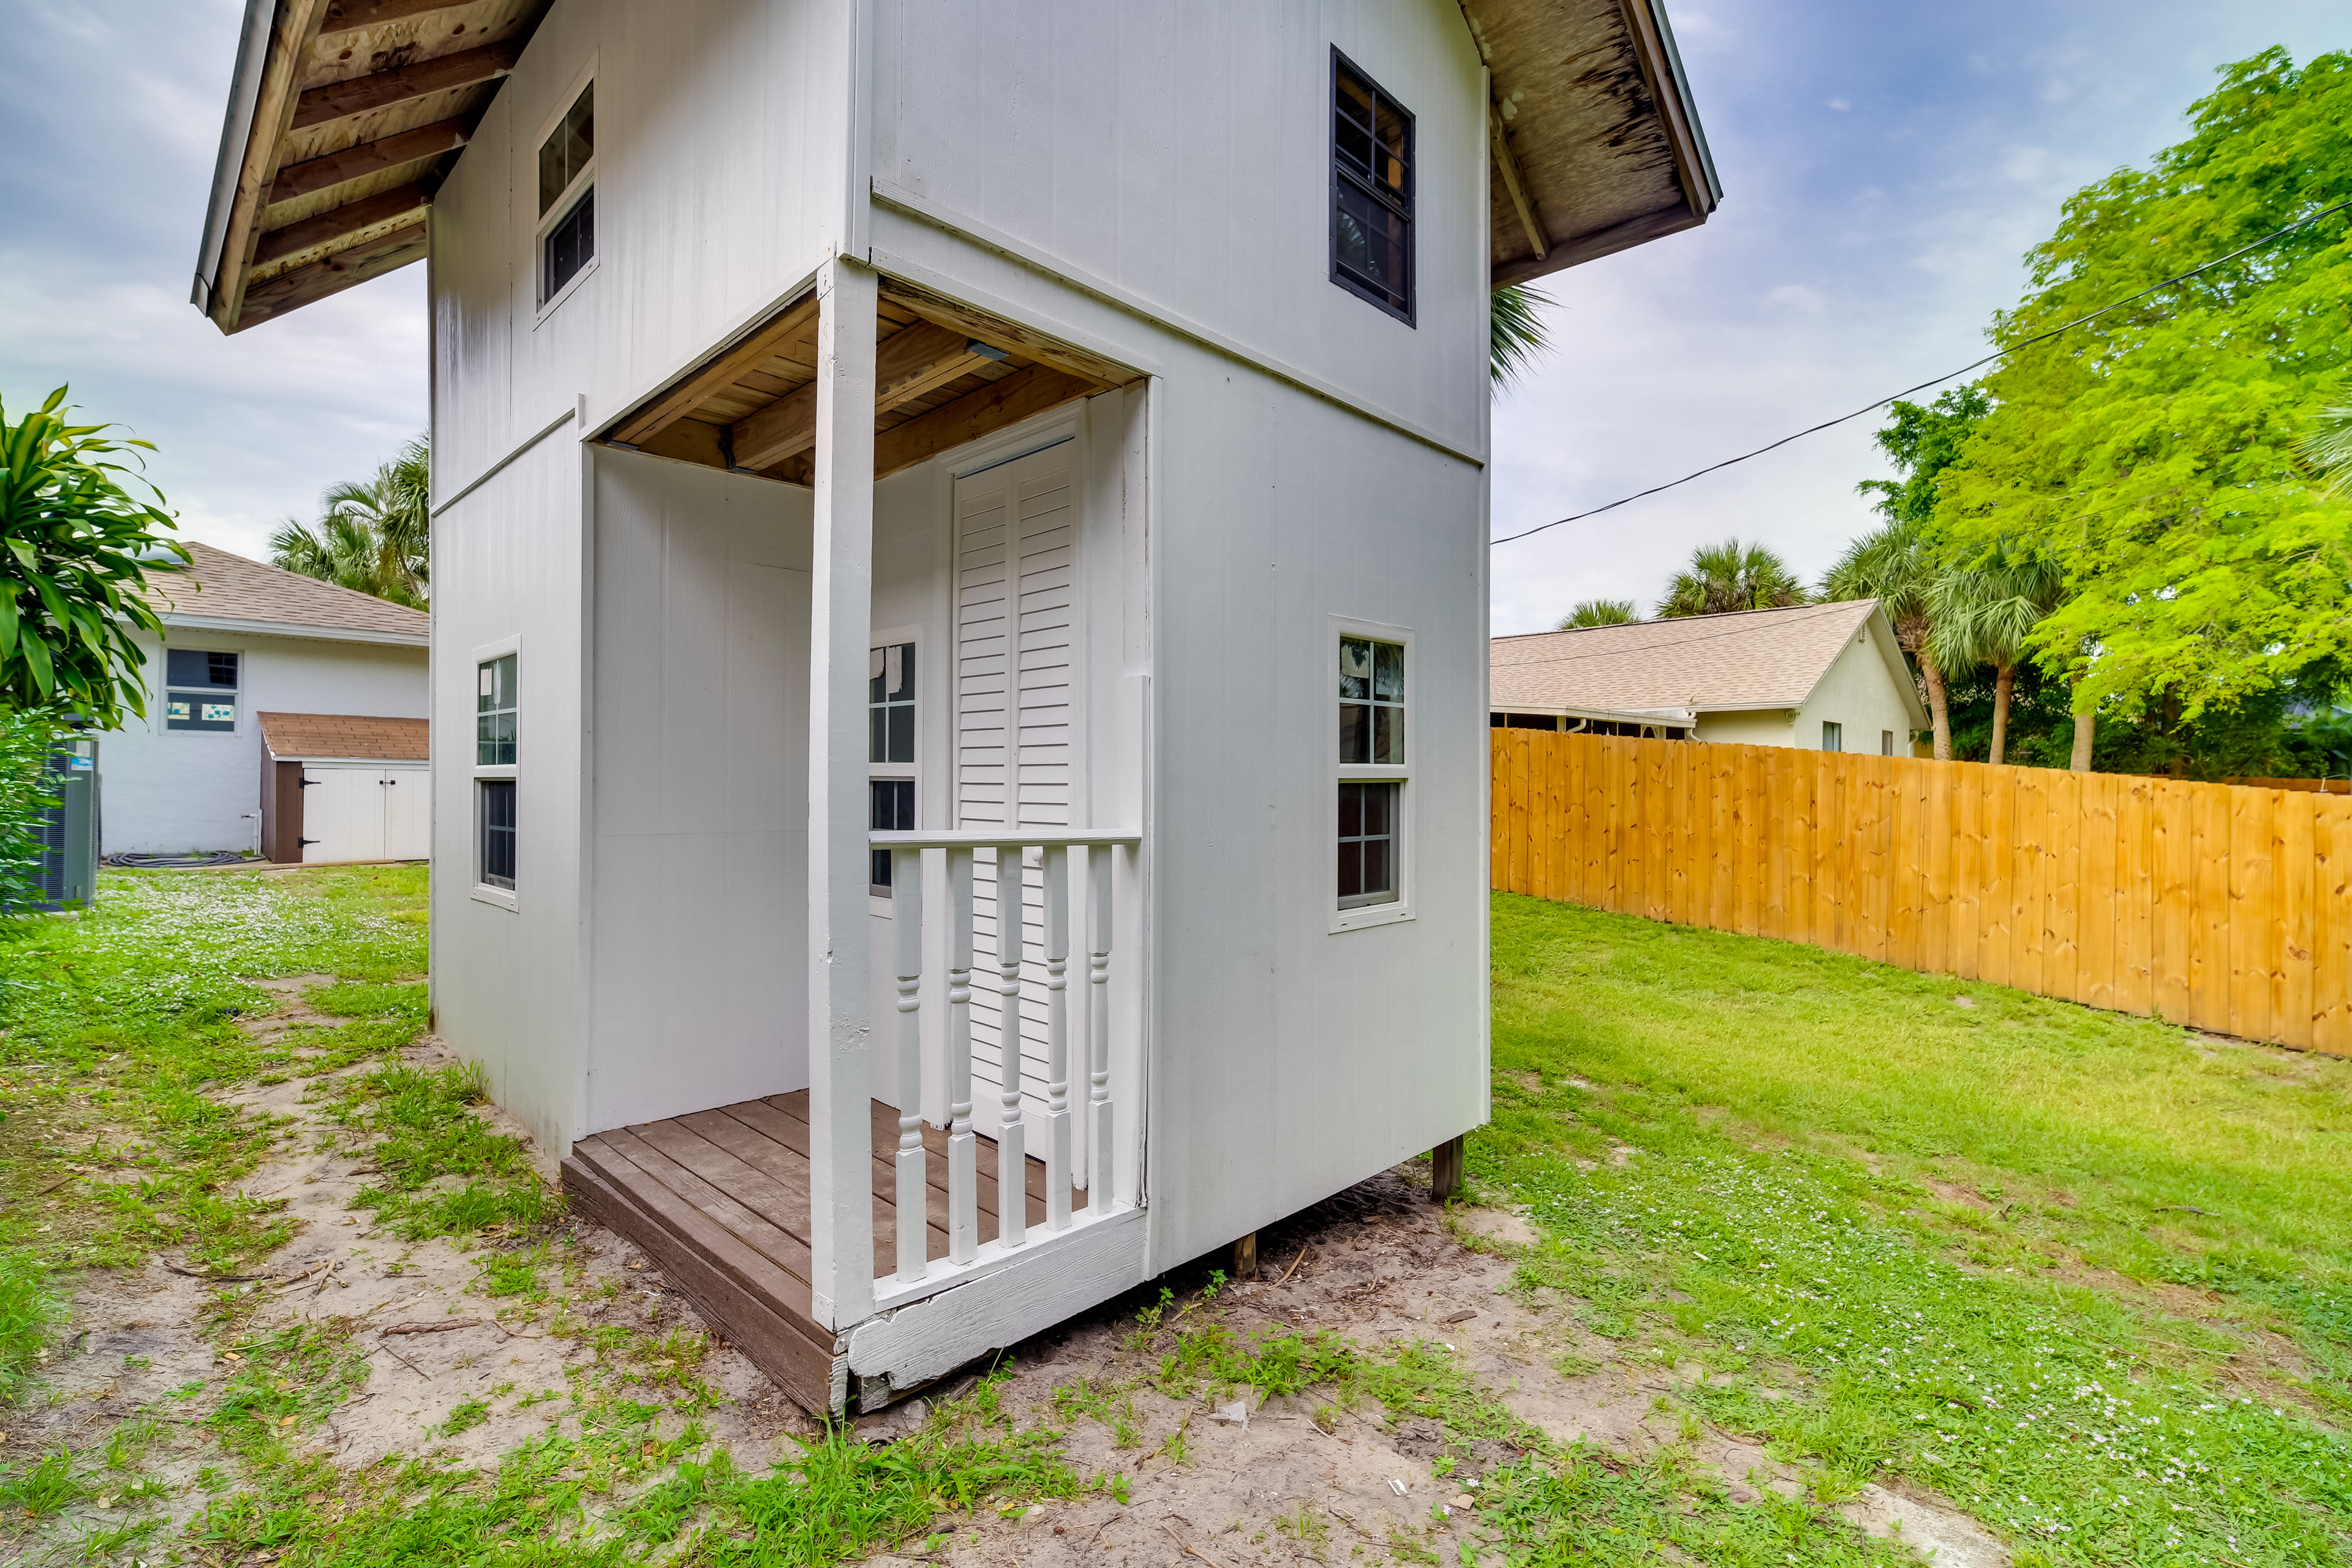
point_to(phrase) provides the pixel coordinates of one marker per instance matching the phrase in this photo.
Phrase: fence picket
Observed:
(2225, 907)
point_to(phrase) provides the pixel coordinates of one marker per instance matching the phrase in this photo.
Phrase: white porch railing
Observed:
(1067, 854)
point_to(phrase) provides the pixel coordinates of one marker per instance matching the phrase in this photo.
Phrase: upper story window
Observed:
(567, 193)
(200, 689)
(1371, 191)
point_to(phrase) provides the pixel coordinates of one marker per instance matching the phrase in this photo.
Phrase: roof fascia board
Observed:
(361, 762)
(294, 629)
(1890, 651)
(1672, 59)
(237, 131)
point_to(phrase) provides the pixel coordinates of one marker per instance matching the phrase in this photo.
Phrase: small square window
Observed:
(1371, 192)
(494, 713)
(1832, 736)
(496, 805)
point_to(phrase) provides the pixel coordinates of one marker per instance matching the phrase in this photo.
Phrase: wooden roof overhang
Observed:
(1595, 140)
(344, 116)
(943, 375)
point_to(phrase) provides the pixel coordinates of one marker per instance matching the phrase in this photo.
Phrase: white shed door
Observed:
(343, 814)
(407, 813)
(1015, 656)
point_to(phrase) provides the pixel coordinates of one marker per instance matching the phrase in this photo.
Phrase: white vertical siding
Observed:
(508, 561)
(700, 790)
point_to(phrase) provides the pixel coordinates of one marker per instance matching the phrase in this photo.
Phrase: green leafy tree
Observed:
(1514, 332)
(1897, 563)
(374, 535)
(1983, 614)
(1730, 576)
(1598, 613)
(80, 544)
(2157, 455)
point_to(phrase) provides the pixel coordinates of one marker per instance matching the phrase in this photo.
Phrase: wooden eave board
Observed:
(337, 54)
(1605, 161)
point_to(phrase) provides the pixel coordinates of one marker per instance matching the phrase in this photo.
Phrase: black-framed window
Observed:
(1371, 191)
(200, 687)
(891, 808)
(497, 815)
(494, 712)
(566, 173)
(890, 704)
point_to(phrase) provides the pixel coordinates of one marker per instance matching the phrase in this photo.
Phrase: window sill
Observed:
(555, 301)
(1370, 915)
(502, 897)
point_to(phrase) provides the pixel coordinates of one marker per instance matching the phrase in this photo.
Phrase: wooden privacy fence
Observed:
(2214, 905)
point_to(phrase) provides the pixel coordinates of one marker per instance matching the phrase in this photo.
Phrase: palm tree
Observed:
(1514, 332)
(1596, 613)
(1731, 577)
(1982, 614)
(1897, 566)
(373, 534)
(2328, 448)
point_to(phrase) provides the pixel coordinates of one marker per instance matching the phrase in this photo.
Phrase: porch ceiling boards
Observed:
(943, 375)
(360, 109)
(720, 1200)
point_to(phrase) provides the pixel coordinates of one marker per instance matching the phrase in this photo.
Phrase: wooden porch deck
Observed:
(720, 1200)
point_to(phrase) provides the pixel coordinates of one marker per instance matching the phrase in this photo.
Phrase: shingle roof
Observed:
(1754, 658)
(345, 735)
(230, 588)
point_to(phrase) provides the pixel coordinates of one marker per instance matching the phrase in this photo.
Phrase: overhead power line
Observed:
(1938, 381)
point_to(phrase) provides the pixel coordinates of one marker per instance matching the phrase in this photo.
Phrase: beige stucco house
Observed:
(1821, 677)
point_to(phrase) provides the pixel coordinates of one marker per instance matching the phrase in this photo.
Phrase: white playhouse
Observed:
(959, 636)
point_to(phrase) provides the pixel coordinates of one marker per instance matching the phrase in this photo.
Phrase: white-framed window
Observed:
(567, 197)
(497, 753)
(892, 733)
(1371, 697)
(200, 689)
(1832, 736)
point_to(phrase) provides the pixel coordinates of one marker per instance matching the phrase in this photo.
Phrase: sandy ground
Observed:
(1379, 1262)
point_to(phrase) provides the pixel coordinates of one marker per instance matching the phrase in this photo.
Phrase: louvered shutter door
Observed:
(1016, 620)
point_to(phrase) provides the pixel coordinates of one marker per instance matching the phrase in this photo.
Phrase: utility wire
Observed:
(1938, 381)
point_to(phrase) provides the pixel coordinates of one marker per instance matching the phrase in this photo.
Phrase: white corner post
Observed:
(841, 1129)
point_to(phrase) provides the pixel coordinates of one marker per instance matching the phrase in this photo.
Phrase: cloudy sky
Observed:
(1884, 166)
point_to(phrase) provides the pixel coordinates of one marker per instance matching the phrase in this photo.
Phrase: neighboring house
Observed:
(888, 453)
(1825, 677)
(246, 646)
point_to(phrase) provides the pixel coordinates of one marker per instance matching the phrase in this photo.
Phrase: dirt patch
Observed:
(451, 1367)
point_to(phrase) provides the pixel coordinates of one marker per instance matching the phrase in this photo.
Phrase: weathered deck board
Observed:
(720, 1200)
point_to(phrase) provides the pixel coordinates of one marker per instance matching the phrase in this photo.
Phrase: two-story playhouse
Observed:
(893, 453)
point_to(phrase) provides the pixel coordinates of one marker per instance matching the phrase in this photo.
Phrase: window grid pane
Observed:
(494, 713)
(890, 704)
(566, 151)
(1371, 192)
(890, 810)
(497, 806)
(570, 245)
(1368, 820)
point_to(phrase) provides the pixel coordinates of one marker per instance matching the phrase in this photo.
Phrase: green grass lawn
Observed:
(2089, 1276)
